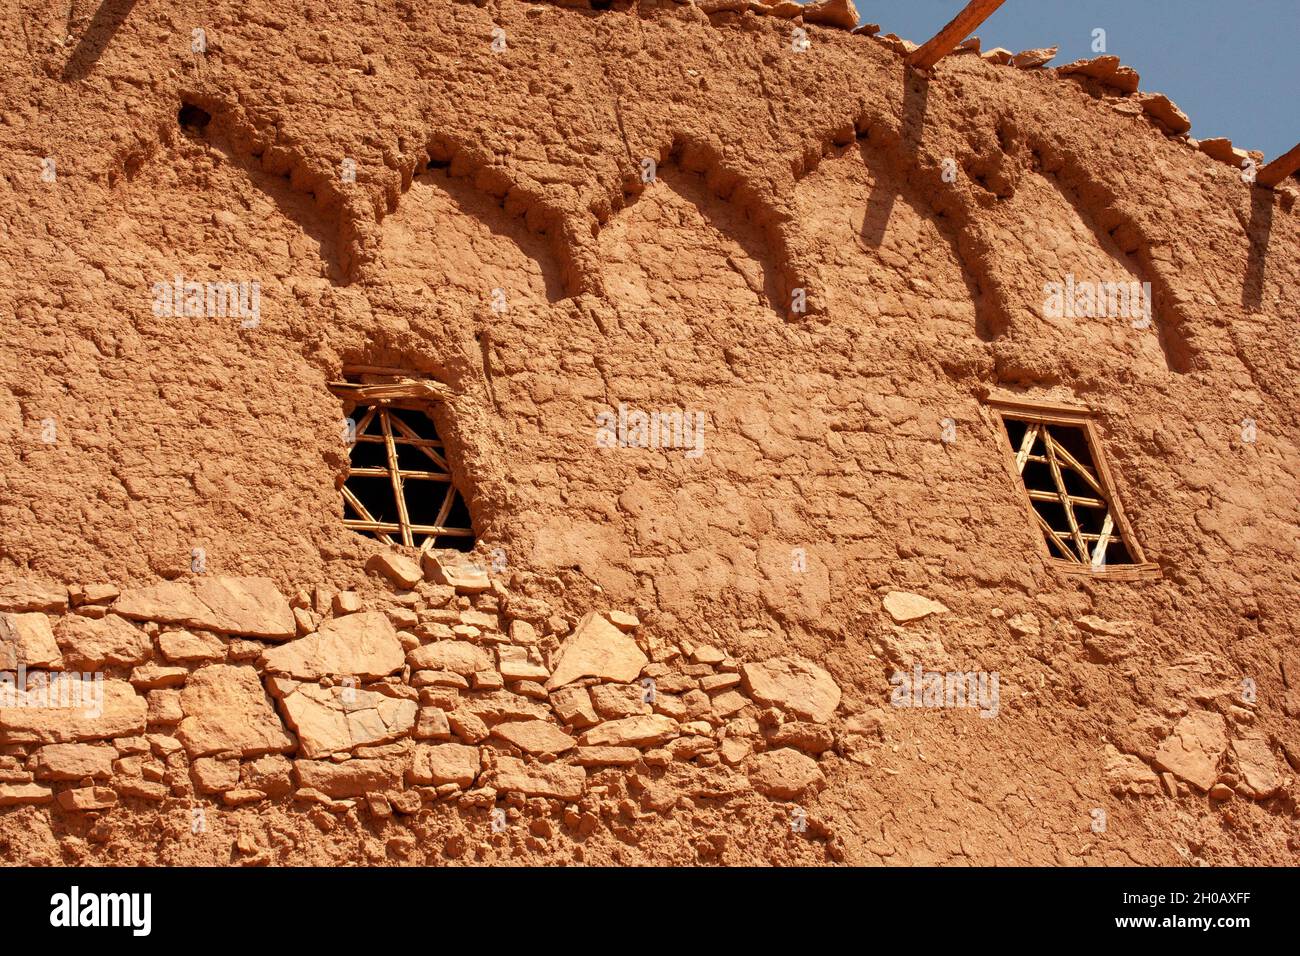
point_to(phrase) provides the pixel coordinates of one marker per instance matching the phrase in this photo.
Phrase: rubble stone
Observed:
(445, 763)
(361, 645)
(74, 761)
(28, 639)
(596, 648)
(1107, 70)
(784, 774)
(91, 645)
(398, 568)
(186, 647)
(631, 732)
(613, 701)
(351, 778)
(101, 710)
(903, 606)
(831, 13)
(456, 657)
(534, 736)
(214, 776)
(1259, 773)
(1193, 749)
(249, 606)
(794, 685)
(12, 794)
(1031, 59)
(556, 780)
(465, 578)
(226, 710)
(86, 799)
(573, 705)
(1162, 109)
(24, 596)
(336, 719)
(606, 756)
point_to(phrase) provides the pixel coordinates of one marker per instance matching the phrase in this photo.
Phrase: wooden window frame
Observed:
(1056, 413)
(380, 390)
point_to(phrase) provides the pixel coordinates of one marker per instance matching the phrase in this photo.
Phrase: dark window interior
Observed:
(1038, 477)
(426, 481)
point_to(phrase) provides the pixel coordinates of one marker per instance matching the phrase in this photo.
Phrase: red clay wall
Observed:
(776, 170)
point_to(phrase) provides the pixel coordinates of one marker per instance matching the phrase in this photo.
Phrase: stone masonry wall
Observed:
(430, 695)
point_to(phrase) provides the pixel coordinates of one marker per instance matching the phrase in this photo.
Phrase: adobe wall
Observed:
(777, 170)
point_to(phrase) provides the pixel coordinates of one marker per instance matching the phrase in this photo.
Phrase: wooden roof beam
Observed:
(1280, 168)
(961, 26)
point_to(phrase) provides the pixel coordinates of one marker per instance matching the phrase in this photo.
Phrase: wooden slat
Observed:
(1069, 536)
(1050, 444)
(1027, 443)
(399, 389)
(410, 433)
(398, 491)
(1103, 539)
(1053, 539)
(1083, 470)
(405, 473)
(448, 500)
(429, 529)
(367, 517)
(1036, 495)
(403, 440)
(959, 28)
(1280, 168)
(371, 525)
(363, 422)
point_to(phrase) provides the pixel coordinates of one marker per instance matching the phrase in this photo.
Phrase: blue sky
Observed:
(1233, 66)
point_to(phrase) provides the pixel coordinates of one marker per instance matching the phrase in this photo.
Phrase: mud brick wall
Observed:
(918, 217)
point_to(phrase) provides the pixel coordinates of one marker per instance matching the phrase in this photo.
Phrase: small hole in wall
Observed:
(193, 117)
(439, 164)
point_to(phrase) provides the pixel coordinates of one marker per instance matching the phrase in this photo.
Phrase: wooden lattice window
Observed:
(399, 485)
(1056, 456)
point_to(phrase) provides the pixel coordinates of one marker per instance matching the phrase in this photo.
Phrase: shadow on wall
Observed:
(453, 239)
(1257, 234)
(212, 219)
(297, 207)
(880, 204)
(95, 38)
(210, 155)
(886, 190)
(884, 255)
(678, 243)
(1120, 245)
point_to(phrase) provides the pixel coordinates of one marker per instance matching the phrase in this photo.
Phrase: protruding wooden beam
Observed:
(962, 26)
(1280, 168)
